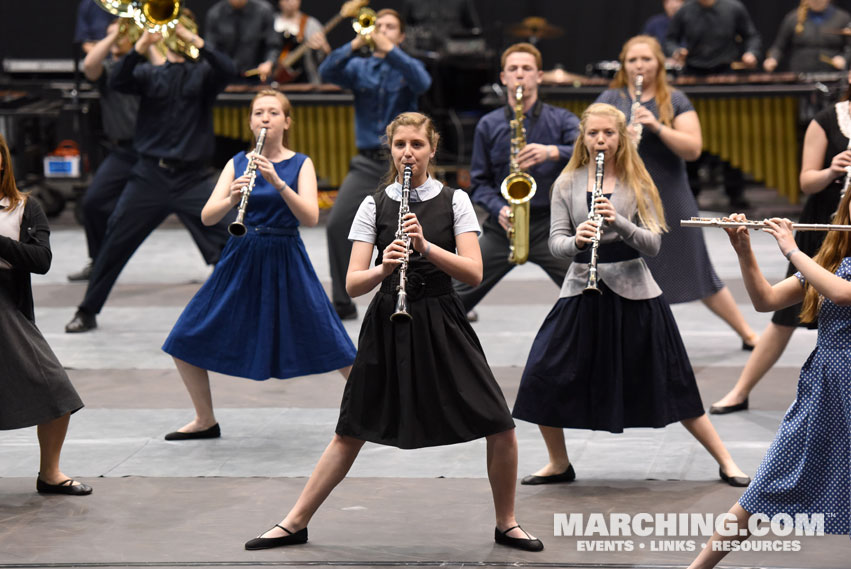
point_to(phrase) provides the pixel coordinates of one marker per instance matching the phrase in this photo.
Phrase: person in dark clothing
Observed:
(657, 26)
(709, 37)
(118, 111)
(244, 30)
(92, 21)
(802, 42)
(550, 135)
(384, 85)
(36, 390)
(174, 140)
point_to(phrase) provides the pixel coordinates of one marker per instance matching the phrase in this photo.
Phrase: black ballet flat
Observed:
(748, 347)
(527, 544)
(66, 487)
(736, 481)
(568, 475)
(213, 432)
(724, 409)
(291, 538)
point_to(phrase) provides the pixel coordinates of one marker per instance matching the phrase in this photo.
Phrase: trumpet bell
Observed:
(364, 24)
(118, 8)
(157, 14)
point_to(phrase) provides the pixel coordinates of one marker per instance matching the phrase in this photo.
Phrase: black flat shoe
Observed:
(213, 432)
(527, 544)
(748, 347)
(291, 538)
(736, 481)
(567, 476)
(724, 409)
(82, 322)
(67, 487)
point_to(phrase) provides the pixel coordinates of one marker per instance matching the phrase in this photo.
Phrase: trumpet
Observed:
(636, 104)
(401, 312)
(518, 188)
(752, 224)
(237, 228)
(591, 285)
(364, 25)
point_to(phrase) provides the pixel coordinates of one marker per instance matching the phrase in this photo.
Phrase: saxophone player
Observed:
(550, 135)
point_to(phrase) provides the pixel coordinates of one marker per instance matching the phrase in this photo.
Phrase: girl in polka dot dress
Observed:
(806, 469)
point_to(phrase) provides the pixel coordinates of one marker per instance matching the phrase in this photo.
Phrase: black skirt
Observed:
(607, 363)
(421, 383)
(35, 388)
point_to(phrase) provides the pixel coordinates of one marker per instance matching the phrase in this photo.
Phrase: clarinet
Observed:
(401, 312)
(237, 228)
(637, 126)
(591, 285)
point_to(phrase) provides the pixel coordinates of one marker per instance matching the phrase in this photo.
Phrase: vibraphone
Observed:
(755, 121)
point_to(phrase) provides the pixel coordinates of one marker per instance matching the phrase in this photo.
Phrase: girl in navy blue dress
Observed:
(423, 381)
(263, 312)
(807, 468)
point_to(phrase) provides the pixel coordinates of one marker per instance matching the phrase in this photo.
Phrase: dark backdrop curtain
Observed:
(593, 30)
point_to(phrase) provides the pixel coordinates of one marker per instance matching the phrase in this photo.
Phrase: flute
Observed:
(751, 224)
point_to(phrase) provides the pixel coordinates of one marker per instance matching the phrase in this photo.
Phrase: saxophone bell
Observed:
(518, 188)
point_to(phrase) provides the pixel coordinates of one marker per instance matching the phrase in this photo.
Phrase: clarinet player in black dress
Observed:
(422, 381)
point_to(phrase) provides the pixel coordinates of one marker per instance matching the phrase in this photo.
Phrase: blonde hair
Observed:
(416, 120)
(835, 247)
(663, 91)
(8, 188)
(286, 106)
(630, 168)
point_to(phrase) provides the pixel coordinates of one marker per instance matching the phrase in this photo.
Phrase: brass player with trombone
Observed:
(611, 359)
(518, 149)
(263, 312)
(421, 380)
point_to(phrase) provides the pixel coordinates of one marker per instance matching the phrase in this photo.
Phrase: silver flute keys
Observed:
(636, 104)
(237, 228)
(401, 312)
(591, 285)
(752, 224)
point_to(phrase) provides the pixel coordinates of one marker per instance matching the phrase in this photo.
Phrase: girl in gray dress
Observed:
(36, 390)
(670, 135)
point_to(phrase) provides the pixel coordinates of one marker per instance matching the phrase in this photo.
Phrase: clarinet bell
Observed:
(401, 314)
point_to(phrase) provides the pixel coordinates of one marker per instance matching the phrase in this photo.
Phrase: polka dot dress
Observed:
(807, 467)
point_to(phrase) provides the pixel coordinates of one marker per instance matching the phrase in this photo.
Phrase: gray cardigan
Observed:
(630, 279)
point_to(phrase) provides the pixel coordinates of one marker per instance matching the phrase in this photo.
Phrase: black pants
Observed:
(102, 194)
(494, 244)
(149, 197)
(363, 179)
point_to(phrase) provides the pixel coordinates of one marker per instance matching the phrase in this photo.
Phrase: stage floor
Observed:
(194, 504)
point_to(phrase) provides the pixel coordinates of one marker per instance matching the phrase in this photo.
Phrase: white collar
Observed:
(429, 189)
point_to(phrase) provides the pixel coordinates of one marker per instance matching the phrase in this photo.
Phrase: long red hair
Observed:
(8, 188)
(663, 91)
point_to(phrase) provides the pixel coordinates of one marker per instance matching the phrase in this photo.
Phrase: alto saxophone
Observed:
(636, 103)
(518, 188)
(591, 285)
(401, 312)
(237, 228)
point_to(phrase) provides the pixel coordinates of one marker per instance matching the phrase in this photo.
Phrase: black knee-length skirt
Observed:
(608, 363)
(35, 388)
(421, 383)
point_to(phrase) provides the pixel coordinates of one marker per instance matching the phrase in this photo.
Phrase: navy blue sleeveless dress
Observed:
(263, 312)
